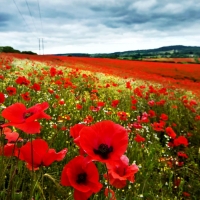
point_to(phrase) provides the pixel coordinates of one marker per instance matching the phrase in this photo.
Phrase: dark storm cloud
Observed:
(84, 22)
(161, 14)
(112, 14)
(4, 19)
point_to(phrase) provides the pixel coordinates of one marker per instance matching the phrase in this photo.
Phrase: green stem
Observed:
(32, 177)
(108, 182)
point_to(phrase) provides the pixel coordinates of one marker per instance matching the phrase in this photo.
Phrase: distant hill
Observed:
(176, 51)
(74, 54)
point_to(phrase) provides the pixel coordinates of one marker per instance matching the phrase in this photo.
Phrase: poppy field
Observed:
(86, 128)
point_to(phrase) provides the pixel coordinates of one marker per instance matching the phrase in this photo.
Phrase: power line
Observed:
(41, 42)
(22, 16)
(40, 15)
(31, 15)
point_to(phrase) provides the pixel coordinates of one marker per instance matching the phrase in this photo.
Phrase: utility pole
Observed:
(39, 46)
(43, 45)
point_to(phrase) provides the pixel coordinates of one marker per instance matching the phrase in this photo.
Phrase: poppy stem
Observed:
(108, 182)
(12, 174)
(1, 134)
(32, 155)
(32, 178)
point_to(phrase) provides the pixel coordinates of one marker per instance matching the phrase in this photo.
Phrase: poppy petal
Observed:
(29, 127)
(82, 195)
(52, 156)
(15, 113)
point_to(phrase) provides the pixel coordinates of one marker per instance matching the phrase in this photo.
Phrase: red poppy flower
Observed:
(100, 104)
(133, 108)
(75, 133)
(38, 153)
(8, 67)
(181, 140)
(115, 103)
(161, 102)
(151, 103)
(11, 91)
(9, 149)
(128, 85)
(57, 96)
(88, 119)
(83, 176)
(158, 126)
(138, 92)
(182, 154)
(152, 113)
(121, 172)
(133, 100)
(122, 115)
(107, 85)
(53, 71)
(139, 138)
(137, 125)
(50, 91)
(79, 106)
(177, 182)
(25, 119)
(75, 130)
(10, 136)
(36, 87)
(60, 72)
(2, 97)
(61, 102)
(95, 108)
(170, 132)
(193, 102)
(163, 117)
(197, 117)
(26, 96)
(186, 194)
(22, 81)
(104, 141)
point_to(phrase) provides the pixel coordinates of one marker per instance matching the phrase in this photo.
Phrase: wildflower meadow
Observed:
(86, 128)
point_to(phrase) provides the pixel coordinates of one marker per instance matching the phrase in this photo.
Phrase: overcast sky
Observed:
(98, 26)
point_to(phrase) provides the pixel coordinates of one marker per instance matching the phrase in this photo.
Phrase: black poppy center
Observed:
(81, 178)
(27, 114)
(103, 150)
(10, 91)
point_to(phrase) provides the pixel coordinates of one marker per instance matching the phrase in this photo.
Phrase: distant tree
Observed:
(8, 49)
(196, 58)
(28, 52)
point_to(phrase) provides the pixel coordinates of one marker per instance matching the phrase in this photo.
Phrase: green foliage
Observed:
(28, 52)
(8, 49)
(196, 58)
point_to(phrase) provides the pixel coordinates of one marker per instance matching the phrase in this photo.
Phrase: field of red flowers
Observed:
(86, 128)
(185, 76)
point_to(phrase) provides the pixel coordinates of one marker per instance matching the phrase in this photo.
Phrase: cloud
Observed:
(100, 25)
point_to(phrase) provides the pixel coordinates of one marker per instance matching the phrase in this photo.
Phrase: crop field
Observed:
(87, 128)
(175, 60)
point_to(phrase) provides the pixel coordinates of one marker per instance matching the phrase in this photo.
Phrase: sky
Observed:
(99, 26)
